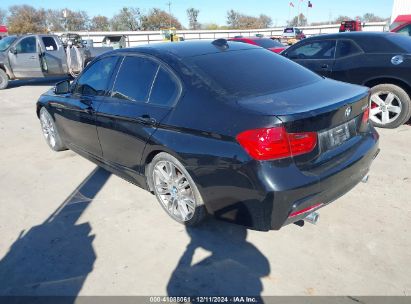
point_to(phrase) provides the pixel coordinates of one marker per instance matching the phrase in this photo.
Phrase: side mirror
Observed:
(13, 50)
(62, 87)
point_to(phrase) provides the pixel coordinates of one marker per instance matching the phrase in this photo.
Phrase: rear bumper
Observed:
(281, 189)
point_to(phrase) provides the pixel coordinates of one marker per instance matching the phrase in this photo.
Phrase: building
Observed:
(400, 7)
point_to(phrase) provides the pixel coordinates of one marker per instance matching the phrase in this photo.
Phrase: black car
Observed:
(380, 61)
(211, 128)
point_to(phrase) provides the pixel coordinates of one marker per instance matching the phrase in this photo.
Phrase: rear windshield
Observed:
(250, 72)
(268, 43)
(289, 30)
(404, 42)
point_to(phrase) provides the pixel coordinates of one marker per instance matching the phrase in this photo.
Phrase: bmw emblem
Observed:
(348, 112)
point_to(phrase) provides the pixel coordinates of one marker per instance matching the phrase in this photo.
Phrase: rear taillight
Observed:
(366, 116)
(276, 143)
(305, 210)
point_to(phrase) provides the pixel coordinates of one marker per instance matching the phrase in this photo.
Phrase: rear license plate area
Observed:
(335, 137)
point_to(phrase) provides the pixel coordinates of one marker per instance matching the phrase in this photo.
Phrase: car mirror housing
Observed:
(13, 50)
(62, 87)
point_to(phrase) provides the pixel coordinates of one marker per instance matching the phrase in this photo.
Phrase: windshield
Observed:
(6, 42)
(268, 43)
(260, 72)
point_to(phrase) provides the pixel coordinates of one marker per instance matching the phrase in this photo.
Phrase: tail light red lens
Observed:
(366, 116)
(276, 143)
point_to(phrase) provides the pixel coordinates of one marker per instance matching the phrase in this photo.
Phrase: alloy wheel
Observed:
(174, 191)
(48, 129)
(385, 107)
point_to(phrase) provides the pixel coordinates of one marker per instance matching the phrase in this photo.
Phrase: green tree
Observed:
(100, 23)
(192, 15)
(25, 19)
(128, 19)
(157, 19)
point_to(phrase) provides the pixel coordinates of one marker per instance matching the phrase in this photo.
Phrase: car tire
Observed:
(50, 132)
(390, 106)
(174, 188)
(4, 80)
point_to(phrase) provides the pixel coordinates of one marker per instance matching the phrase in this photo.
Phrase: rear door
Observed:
(143, 93)
(349, 62)
(25, 63)
(53, 56)
(318, 56)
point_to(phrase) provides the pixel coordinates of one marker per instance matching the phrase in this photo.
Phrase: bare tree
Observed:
(157, 19)
(192, 15)
(54, 20)
(233, 19)
(298, 21)
(100, 23)
(26, 19)
(264, 21)
(369, 17)
(236, 20)
(340, 19)
(76, 20)
(3, 16)
(128, 19)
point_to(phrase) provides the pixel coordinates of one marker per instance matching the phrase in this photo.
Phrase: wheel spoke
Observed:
(183, 185)
(189, 202)
(183, 211)
(376, 99)
(394, 109)
(161, 174)
(389, 99)
(375, 111)
(385, 117)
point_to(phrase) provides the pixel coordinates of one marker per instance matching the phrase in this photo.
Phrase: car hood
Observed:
(319, 97)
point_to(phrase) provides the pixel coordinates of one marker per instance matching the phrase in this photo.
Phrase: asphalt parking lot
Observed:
(68, 228)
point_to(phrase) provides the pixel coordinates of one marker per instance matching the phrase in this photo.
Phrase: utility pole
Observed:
(169, 11)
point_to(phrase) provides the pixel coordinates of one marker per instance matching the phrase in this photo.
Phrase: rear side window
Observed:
(380, 43)
(405, 30)
(94, 80)
(401, 41)
(49, 43)
(135, 78)
(165, 89)
(260, 72)
(324, 49)
(347, 48)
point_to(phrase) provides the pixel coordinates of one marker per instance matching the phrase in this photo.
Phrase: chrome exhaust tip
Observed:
(365, 179)
(312, 218)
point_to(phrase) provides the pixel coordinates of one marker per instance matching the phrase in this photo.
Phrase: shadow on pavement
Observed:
(35, 82)
(55, 257)
(234, 266)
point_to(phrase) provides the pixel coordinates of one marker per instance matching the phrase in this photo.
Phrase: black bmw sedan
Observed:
(380, 61)
(215, 127)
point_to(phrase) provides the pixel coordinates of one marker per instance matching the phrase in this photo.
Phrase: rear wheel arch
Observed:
(387, 80)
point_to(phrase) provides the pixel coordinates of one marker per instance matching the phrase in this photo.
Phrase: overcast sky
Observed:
(214, 11)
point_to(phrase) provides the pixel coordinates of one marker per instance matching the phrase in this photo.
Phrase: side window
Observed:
(347, 48)
(405, 30)
(314, 50)
(27, 45)
(165, 89)
(49, 43)
(135, 78)
(94, 80)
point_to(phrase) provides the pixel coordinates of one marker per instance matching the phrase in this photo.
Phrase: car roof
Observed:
(350, 35)
(184, 49)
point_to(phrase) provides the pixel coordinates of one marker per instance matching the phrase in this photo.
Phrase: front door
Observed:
(75, 116)
(143, 94)
(25, 60)
(318, 56)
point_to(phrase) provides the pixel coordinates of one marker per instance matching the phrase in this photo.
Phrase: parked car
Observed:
(209, 127)
(266, 43)
(292, 35)
(402, 25)
(39, 56)
(3, 31)
(380, 61)
(350, 26)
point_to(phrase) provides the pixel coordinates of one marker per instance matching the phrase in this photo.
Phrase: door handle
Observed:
(32, 57)
(146, 119)
(324, 66)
